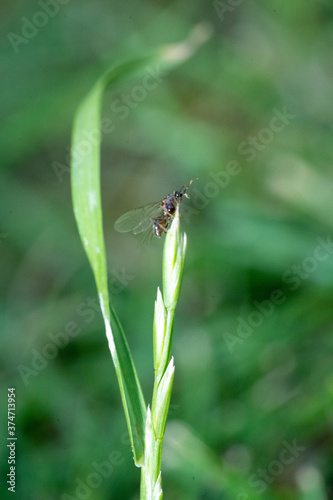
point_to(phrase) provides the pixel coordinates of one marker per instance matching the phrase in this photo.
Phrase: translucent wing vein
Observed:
(139, 219)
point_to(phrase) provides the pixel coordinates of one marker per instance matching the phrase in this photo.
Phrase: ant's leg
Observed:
(155, 221)
(164, 229)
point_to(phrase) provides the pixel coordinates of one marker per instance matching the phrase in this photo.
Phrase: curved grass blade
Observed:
(85, 180)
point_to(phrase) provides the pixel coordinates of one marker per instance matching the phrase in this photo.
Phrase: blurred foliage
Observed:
(258, 231)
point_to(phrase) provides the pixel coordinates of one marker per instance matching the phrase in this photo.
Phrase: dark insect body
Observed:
(155, 216)
(160, 225)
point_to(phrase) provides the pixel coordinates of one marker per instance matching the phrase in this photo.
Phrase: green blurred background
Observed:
(251, 414)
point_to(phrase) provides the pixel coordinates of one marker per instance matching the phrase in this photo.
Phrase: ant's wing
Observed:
(139, 219)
